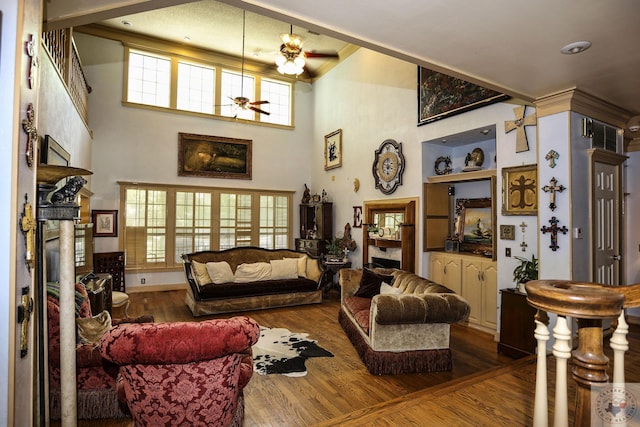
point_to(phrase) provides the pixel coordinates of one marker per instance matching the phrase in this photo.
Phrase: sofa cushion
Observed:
(251, 289)
(360, 310)
(200, 273)
(370, 283)
(219, 272)
(387, 289)
(284, 269)
(302, 265)
(252, 272)
(91, 329)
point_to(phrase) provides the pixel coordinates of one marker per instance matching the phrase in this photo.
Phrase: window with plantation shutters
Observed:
(162, 222)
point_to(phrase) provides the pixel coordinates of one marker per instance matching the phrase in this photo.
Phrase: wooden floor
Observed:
(484, 388)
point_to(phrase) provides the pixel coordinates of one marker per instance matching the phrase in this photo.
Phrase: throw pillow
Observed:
(370, 284)
(91, 329)
(220, 272)
(302, 265)
(284, 269)
(387, 289)
(199, 270)
(252, 272)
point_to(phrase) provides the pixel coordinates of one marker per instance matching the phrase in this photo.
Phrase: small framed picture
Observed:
(105, 223)
(520, 190)
(507, 232)
(333, 150)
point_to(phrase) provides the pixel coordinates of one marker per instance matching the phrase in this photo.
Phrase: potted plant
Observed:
(525, 271)
(334, 251)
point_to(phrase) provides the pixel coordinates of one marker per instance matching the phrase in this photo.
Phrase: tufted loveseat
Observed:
(270, 278)
(398, 321)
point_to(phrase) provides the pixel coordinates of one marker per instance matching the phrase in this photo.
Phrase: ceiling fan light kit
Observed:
(291, 58)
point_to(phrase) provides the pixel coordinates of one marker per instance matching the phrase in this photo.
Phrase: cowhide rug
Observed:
(280, 351)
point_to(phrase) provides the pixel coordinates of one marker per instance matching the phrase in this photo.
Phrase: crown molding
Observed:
(582, 103)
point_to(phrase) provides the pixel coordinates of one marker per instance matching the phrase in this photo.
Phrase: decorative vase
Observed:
(521, 288)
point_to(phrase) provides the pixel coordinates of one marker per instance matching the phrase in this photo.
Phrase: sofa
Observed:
(95, 377)
(398, 321)
(250, 278)
(183, 373)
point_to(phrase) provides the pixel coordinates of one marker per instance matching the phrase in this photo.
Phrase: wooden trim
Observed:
(580, 102)
(409, 229)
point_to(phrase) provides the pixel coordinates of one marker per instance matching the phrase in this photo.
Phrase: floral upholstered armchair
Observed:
(95, 377)
(183, 373)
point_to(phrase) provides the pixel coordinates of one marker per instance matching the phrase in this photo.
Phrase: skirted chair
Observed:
(95, 377)
(183, 373)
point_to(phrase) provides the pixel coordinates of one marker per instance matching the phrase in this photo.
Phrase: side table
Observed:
(517, 324)
(330, 275)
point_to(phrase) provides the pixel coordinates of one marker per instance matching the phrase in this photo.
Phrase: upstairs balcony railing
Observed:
(64, 55)
(589, 304)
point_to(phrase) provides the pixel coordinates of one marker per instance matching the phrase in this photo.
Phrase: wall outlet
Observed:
(507, 252)
(143, 281)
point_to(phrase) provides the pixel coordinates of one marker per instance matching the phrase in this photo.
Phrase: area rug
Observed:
(280, 351)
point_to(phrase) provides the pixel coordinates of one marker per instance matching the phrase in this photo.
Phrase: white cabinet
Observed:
(480, 288)
(473, 278)
(446, 269)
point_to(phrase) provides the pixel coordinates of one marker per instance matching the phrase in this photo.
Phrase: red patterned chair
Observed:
(96, 378)
(183, 373)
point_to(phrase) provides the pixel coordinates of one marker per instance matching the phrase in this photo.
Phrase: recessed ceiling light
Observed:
(576, 47)
(127, 23)
(444, 141)
(485, 131)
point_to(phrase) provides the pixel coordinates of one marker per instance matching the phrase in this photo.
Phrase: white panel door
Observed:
(606, 212)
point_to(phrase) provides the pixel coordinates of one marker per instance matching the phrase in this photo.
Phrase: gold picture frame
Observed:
(520, 190)
(214, 156)
(333, 150)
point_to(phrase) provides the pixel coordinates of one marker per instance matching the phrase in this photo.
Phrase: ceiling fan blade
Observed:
(313, 54)
(258, 102)
(259, 110)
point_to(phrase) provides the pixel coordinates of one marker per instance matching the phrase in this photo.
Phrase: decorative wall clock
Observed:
(388, 166)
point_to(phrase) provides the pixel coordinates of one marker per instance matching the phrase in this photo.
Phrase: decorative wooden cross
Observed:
(554, 229)
(523, 245)
(519, 124)
(552, 156)
(29, 127)
(553, 188)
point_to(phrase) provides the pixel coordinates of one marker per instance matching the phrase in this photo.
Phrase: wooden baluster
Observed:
(589, 303)
(540, 410)
(562, 353)
(620, 346)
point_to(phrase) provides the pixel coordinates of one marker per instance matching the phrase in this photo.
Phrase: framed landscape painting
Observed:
(440, 96)
(214, 156)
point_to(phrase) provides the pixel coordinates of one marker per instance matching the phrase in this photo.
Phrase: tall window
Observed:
(149, 79)
(195, 88)
(279, 96)
(274, 221)
(234, 85)
(161, 220)
(146, 226)
(203, 87)
(193, 222)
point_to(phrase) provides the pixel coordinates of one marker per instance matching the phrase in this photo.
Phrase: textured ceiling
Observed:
(512, 47)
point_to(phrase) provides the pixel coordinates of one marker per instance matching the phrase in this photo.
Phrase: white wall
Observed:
(141, 145)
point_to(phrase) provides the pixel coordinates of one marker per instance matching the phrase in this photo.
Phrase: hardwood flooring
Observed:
(484, 388)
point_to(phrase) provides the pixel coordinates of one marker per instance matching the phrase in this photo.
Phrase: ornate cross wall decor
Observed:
(553, 188)
(552, 156)
(29, 127)
(519, 124)
(554, 229)
(523, 245)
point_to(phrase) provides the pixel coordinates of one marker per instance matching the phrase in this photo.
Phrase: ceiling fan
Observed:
(242, 101)
(291, 58)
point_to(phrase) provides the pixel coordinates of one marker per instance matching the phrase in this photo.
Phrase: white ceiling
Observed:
(510, 46)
